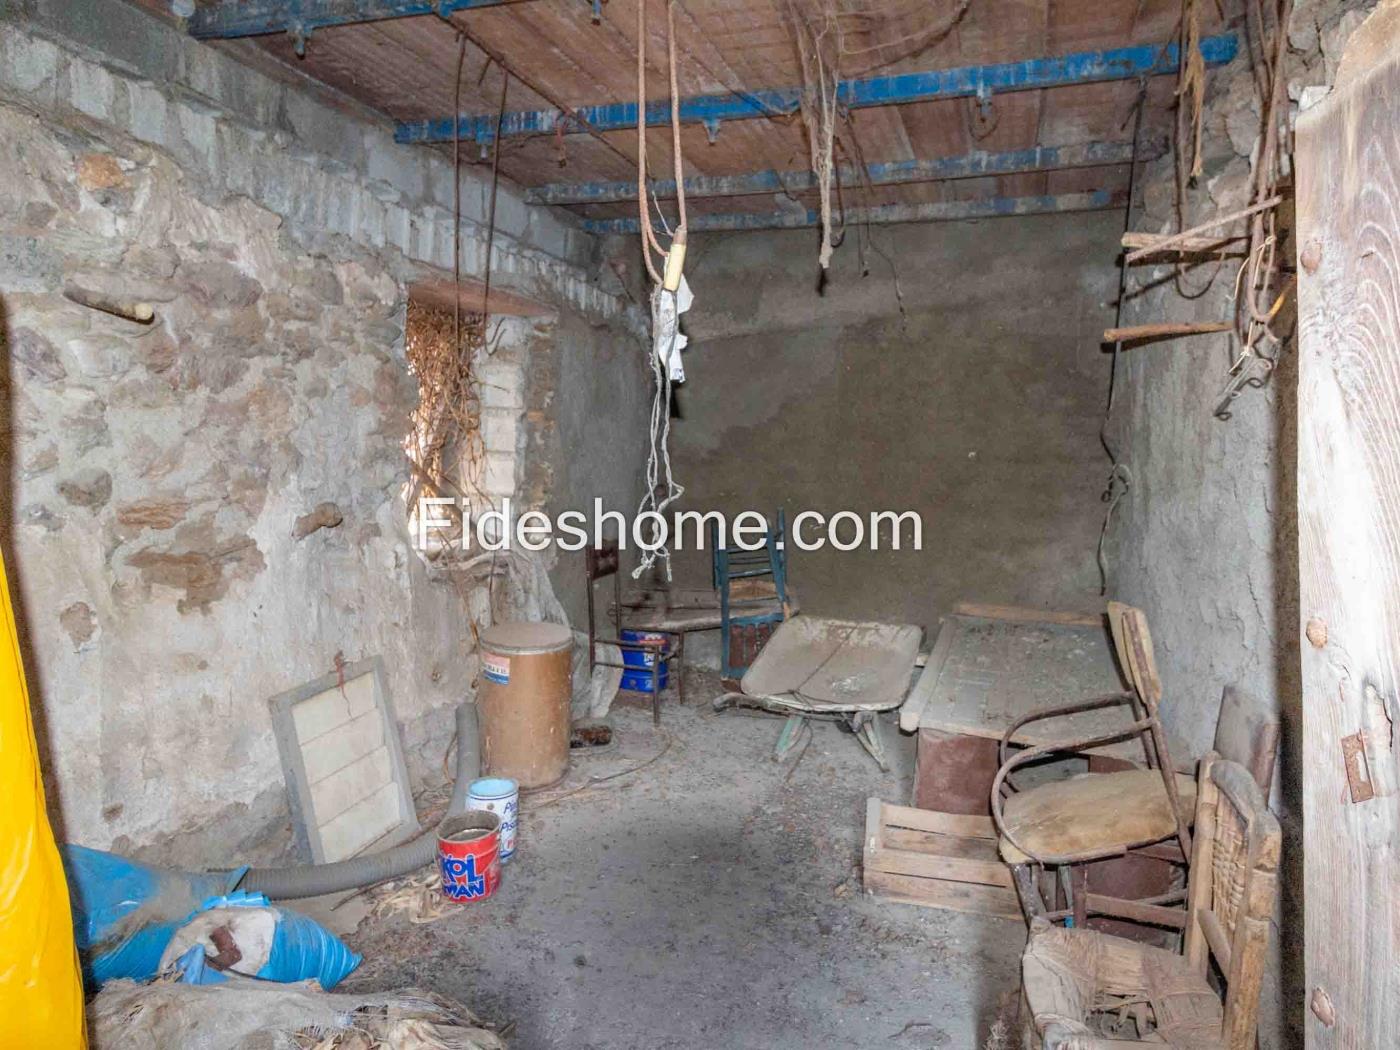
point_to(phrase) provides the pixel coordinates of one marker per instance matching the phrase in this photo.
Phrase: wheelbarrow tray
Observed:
(816, 665)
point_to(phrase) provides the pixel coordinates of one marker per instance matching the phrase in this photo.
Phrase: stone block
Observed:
(36, 356)
(91, 89)
(90, 488)
(198, 130)
(499, 428)
(29, 64)
(220, 284)
(499, 477)
(502, 385)
(28, 265)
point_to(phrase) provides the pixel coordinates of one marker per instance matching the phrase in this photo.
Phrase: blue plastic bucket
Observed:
(638, 677)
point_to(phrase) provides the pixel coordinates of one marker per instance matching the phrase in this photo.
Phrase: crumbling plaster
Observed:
(157, 472)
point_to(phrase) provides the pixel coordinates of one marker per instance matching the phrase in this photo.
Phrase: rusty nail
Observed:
(1311, 257)
(1322, 1007)
(1316, 631)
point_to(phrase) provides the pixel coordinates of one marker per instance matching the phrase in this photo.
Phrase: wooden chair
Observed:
(1085, 990)
(753, 595)
(1067, 823)
(1116, 814)
(604, 561)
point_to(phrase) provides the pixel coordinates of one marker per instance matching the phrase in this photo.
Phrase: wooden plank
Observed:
(943, 823)
(913, 707)
(942, 845)
(1215, 937)
(993, 671)
(1247, 733)
(1348, 234)
(1135, 911)
(1021, 614)
(992, 901)
(874, 824)
(1164, 330)
(1214, 245)
(947, 869)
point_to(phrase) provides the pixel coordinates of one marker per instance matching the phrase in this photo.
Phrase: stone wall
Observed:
(156, 472)
(1205, 537)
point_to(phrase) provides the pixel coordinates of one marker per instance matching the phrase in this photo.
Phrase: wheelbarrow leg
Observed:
(790, 737)
(866, 726)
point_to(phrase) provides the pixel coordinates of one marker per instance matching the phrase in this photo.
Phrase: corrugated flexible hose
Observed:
(313, 880)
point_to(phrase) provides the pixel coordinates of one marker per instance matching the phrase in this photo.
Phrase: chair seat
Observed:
(1093, 815)
(1071, 975)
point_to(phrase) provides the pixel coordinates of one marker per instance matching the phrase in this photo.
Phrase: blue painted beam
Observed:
(238, 18)
(969, 166)
(1083, 67)
(945, 211)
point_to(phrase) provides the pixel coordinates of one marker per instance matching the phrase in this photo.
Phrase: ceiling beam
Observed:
(238, 18)
(1082, 67)
(944, 211)
(970, 166)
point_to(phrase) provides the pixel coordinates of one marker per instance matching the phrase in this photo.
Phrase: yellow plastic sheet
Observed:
(41, 992)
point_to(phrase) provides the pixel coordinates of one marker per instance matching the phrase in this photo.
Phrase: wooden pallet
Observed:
(940, 860)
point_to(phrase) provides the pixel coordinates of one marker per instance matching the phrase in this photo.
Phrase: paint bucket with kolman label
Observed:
(469, 855)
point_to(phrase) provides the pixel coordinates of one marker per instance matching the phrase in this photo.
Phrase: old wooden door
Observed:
(1348, 183)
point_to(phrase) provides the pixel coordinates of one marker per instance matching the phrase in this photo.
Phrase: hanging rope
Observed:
(1191, 84)
(675, 118)
(1260, 290)
(818, 51)
(649, 242)
(669, 296)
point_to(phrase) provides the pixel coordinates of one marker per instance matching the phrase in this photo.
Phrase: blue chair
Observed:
(749, 611)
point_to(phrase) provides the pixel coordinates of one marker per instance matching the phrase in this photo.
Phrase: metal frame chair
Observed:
(604, 561)
(1094, 814)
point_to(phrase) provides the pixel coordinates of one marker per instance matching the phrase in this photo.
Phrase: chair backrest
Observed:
(733, 563)
(1247, 733)
(601, 561)
(1133, 643)
(1230, 899)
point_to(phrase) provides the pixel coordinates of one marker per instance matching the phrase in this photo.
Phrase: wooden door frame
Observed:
(1348, 192)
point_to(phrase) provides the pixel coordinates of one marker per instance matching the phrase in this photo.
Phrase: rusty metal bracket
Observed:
(1358, 767)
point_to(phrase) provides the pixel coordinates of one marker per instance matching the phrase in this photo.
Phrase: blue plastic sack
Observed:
(125, 914)
(194, 968)
(303, 948)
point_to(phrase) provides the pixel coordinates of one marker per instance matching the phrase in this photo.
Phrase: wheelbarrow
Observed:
(842, 671)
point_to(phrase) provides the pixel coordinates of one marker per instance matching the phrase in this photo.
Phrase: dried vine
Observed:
(444, 443)
(836, 39)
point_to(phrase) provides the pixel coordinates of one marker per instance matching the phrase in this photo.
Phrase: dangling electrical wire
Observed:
(649, 243)
(670, 297)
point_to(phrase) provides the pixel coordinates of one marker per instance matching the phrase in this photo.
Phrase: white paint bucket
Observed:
(502, 797)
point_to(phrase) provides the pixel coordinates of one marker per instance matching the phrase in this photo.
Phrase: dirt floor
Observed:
(710, 899)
